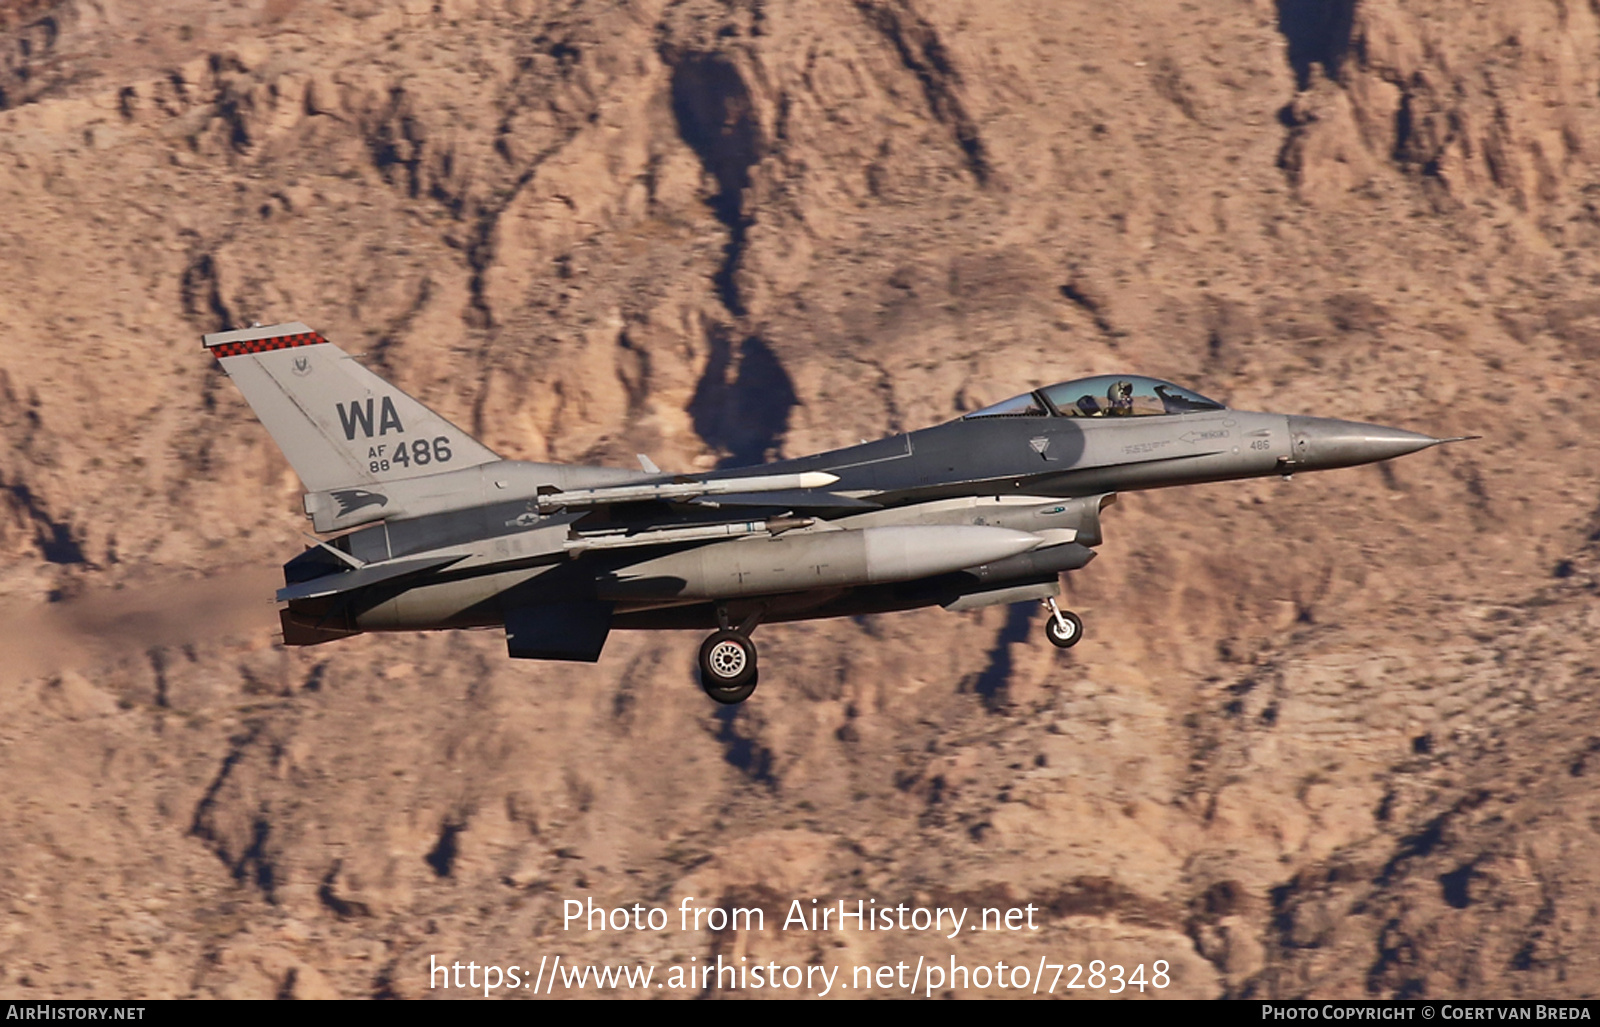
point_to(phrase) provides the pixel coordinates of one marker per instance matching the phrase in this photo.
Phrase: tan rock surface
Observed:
(1332, 737)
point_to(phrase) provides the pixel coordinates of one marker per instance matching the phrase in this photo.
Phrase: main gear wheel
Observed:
(728, 671)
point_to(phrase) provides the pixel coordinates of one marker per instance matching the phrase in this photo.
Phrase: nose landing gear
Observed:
(1063, 627)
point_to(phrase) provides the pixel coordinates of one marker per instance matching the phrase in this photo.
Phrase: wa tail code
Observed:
(355, 415)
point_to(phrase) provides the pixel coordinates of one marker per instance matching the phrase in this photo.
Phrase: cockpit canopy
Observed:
(1106, 395)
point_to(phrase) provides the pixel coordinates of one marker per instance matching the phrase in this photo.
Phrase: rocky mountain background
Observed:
(1328, 737)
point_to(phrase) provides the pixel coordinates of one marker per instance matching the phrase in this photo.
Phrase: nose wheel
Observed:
(1063, 627)
(728, 666)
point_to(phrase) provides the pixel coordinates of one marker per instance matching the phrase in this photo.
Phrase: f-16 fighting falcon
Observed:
(432, 530)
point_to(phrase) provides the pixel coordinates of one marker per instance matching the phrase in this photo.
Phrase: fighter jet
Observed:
(424, 527)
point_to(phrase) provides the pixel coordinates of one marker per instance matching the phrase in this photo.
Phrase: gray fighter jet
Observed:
(430, 529)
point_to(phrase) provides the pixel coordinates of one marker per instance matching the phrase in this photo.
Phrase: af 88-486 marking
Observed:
(418, 452)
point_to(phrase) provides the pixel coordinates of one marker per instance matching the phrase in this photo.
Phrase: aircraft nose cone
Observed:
(1320, 443)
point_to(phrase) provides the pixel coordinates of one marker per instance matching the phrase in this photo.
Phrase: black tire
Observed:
(1064, 639)
(728, 671)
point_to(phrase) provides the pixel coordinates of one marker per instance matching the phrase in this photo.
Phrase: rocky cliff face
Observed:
(1327, 737)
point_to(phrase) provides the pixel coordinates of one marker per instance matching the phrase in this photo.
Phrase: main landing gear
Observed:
(728, 671)
(1063, 627)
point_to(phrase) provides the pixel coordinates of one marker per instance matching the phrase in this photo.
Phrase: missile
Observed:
(510, 481)
(581, 542)
(573, 498)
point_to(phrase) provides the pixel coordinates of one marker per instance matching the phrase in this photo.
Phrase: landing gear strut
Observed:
(1063, 627)
(728, 671)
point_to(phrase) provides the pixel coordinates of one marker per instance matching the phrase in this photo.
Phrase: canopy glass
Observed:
(1107, 395)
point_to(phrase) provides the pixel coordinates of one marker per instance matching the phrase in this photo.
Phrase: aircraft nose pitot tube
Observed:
(1320, 443)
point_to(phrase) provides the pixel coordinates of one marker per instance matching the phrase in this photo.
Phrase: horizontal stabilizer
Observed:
(793, 499)
(371, 574)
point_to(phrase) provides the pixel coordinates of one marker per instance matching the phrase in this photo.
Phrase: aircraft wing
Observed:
(372, 574)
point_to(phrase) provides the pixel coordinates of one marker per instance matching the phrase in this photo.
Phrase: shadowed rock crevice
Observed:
(1393, 969)
(1455, 885)
(381, 353)
(202, 824)
(53, 537)
(484, 217)
(158, 666)
(254, 862)
(235, 107)
(421, 157)
(1424, 130)
(442, 859)
(742, 403)
(201, 290)
(716, 118)
(383, 984)
(397, 142)
(1091, 303)
(1318, 33)
(922, 52)
(255, 865)
(339, 906)
(29, 63)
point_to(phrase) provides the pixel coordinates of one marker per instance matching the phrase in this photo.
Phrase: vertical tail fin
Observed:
(337, 422)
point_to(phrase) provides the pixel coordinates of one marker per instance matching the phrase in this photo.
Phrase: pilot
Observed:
(1121, 396)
